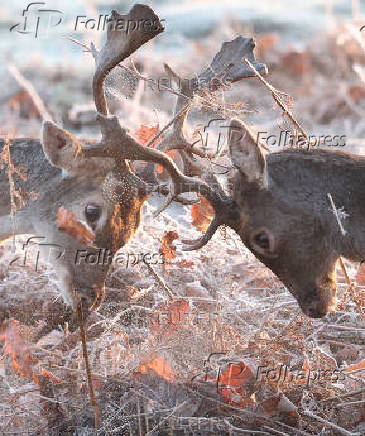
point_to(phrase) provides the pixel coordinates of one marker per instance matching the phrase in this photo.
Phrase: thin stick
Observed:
(340, 397)
(29, 88)
(161, 282)
(329, 423)
(275, 95)
(168, 125)
(351, 286)
(87, 365)
(350, 403)
(335, 212)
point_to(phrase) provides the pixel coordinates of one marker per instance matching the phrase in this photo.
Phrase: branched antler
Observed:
(228, 66)
(117, 144)
(120, 45)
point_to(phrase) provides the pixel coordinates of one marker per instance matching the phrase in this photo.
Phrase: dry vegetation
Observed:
(151, 355)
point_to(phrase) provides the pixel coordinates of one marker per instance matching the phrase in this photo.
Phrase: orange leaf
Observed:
(185, 263)
(68, 223)
(357, 93)
(17, 348)
(145, 134)
(356, 366)
(168, 249)
(173, 313)
(232, 383)
(270, 405)
(297, 63)
(265, 43)
(160, 367)
(48, 374)
(202, 214)
(170, 153)
(279, 403)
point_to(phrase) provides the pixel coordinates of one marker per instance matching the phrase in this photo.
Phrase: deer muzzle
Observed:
(319, 300)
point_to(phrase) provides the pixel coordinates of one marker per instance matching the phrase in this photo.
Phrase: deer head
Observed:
(280, 210)
(97, 185)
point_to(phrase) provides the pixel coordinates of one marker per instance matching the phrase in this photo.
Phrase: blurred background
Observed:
(305, 45)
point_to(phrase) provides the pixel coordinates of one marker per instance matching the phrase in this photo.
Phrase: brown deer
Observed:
(96, 182)
(280, 208)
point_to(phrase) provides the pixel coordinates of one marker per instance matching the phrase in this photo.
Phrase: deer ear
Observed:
(60, 146)
(246, 153)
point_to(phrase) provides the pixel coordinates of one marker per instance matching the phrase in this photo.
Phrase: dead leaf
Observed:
(296, 63)
(233, 384)
(202, 214)
(68, 223)
(357, 93)
(145, 134)
(168, 316)
(355, 366)
(184, 263)
(18, 348)
(168, 249)
(160, 367)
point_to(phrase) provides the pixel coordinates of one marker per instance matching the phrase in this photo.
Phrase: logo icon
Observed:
(35, 19)
(60, 251)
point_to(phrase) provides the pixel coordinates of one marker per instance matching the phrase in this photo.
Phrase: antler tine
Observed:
(207, 236)
(120, 44)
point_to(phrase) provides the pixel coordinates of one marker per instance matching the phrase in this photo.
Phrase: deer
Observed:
(96, 181)
(278, 202)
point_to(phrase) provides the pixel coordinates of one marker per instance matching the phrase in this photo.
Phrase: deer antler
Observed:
(116, 143)
(226, 67)
(121, 44)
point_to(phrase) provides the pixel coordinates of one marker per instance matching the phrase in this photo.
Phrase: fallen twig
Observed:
(276, 97)
(161, 282)
(87, 364)
(330, 424)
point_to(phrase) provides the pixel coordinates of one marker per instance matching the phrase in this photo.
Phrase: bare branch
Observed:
(29, 88)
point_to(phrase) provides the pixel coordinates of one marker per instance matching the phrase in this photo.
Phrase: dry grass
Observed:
(151, 358)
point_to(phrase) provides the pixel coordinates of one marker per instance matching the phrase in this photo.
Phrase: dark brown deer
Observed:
(281, 209)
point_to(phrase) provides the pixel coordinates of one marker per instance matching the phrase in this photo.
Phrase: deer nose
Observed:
(319, 301)
(315, 311)
(312, 304)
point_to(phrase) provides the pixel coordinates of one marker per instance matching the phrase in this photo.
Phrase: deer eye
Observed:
(92, 212)
(262, 240)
